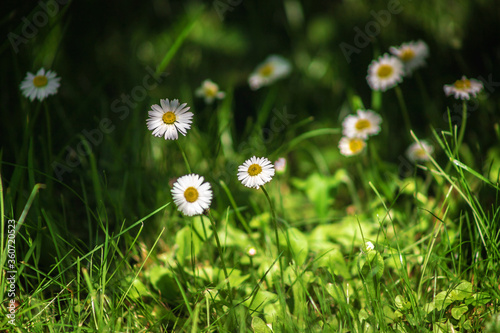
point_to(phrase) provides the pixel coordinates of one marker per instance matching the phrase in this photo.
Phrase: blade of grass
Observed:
(178, 42)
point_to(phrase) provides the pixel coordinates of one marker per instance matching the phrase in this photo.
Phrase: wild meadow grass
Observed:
(351, 233)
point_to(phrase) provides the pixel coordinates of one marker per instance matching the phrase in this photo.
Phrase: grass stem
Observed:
(404, 110)
(275, 224)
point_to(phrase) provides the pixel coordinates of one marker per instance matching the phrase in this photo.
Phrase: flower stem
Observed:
(221, 255)
(425, 96)
(376, 104)
(462, 127)
(49, 132)
(184, 156)
(404, 110)
(275, 222)
(219, 247)
(236, 210)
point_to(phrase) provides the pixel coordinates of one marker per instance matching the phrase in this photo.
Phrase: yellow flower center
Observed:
(384, 71)
(407, 55)
(362, 124)
(169, 118)
(420, 153)
(266, 70)
(355, 145)
(211, 90)
(191, 194)
(40, 81)
(254, 169)
(463, 84)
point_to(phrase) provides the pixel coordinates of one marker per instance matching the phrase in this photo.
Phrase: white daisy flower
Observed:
(365, 123)
(462, 89)
(280, 165)
(385, 72)
(351, 146)
(169, 119)
(367, 247)
(419, 153)
(40, 85)
(191, 195)
(255, 172)
(210, 91)
(252, 251)
(273, 68)
(412, 54)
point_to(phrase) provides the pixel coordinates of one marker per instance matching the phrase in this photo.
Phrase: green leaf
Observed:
(231, 236)
(429, 307)
(317, 188)
(402, 303)
(290, 276)
(345, 232)
(336, 264)
(297, 244)
(467, 325)
(235, 278)
(389, 315)
(261, 220)
(398, 314)
(190, 239)
(478, 299)
(493, 163)
(458, 311)
(462, 291)
(273, 312)
(138, 289)
(371, 264)
(363, 315)
(161, 278)
(259, 300)
(333, 290)
(339, 293)
(445, 327)
(259, 326)
(442, 300)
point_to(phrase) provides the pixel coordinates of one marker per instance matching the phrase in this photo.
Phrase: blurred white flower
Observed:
(169, 118)
(351, 146)
(209, 91)
(40, 85)
(191, 195)
(367, 247)
(280, 165)
(273, 68)
(252, 251)
(419, 153)
(385, 72)
(412, 54)
(365, 123)
(255, 172)
(463, 88)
